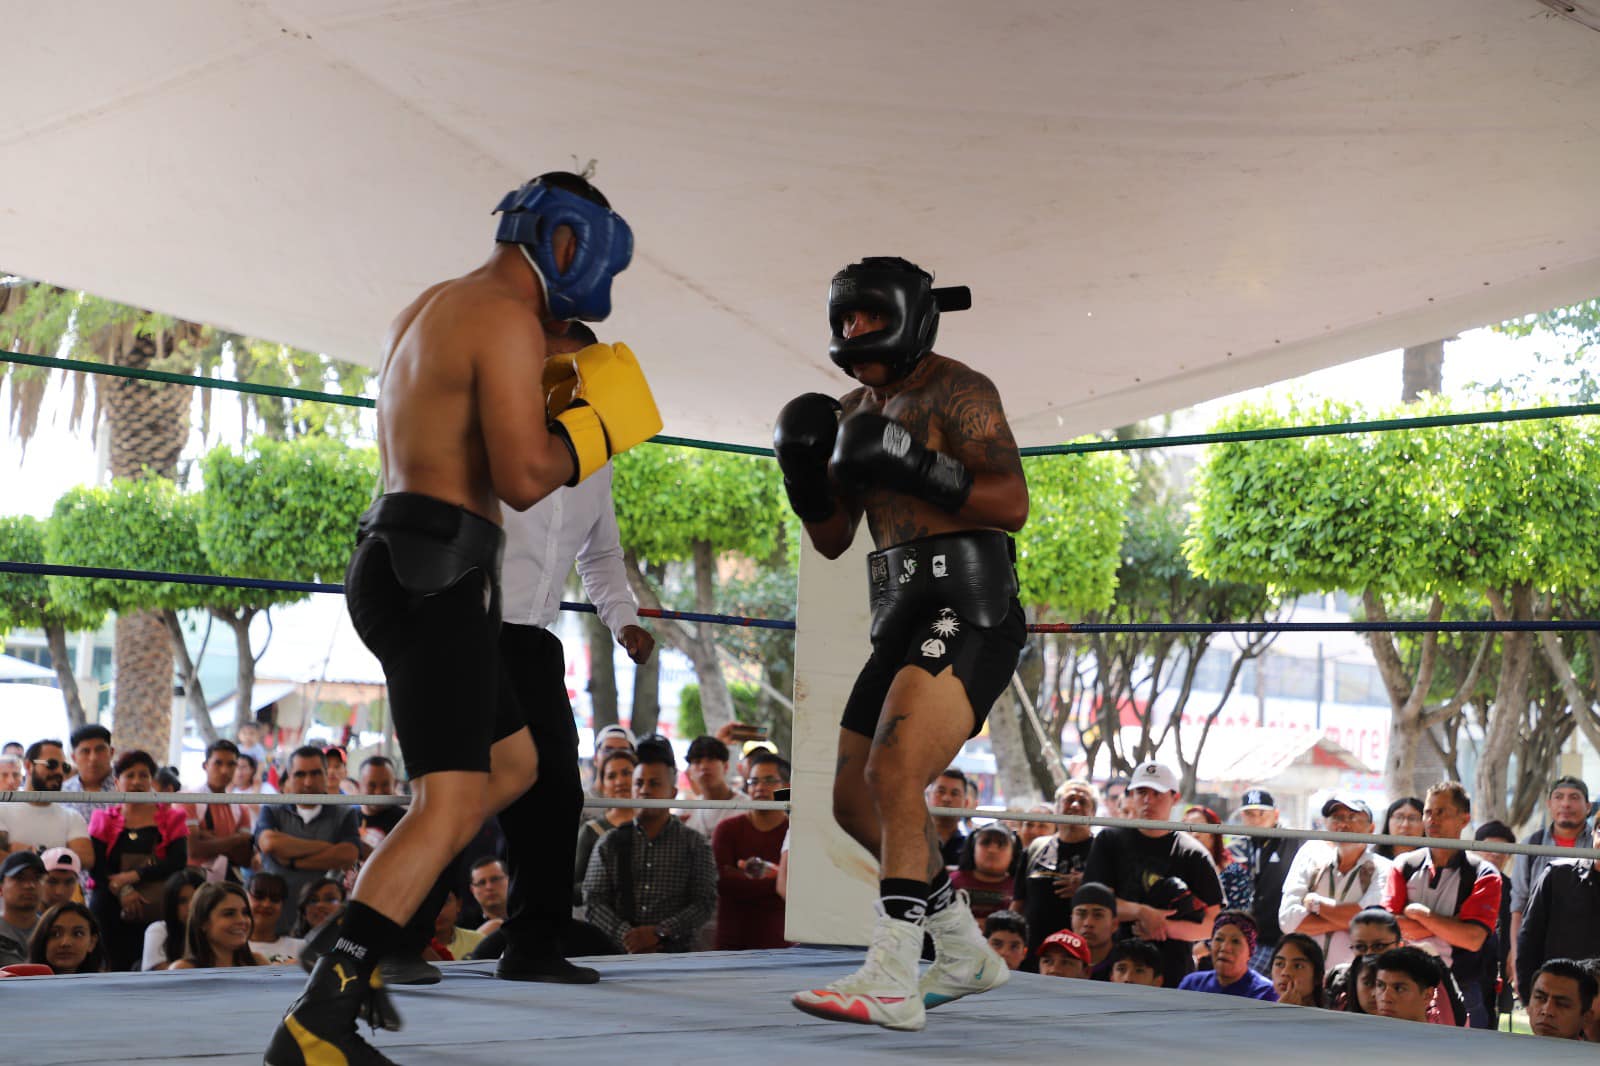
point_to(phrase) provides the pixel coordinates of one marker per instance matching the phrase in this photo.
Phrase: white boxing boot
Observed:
(964, 963)
(884, 991)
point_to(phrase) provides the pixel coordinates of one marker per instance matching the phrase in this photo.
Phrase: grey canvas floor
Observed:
(718, 1008)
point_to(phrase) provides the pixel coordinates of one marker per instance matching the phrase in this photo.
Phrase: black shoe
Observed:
(550, 968)
(321, 1025)
(403, 968)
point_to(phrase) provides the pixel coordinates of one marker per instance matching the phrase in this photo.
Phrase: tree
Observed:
(1067, 558)
(27, 602)
(282, 510)
(1566, 369)
(700, 513)
(145, 524)
(1498, 516)
(147, 423)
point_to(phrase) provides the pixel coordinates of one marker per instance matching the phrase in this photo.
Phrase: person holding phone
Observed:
(1054, 868)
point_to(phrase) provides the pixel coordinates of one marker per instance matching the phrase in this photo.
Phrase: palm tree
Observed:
(147, 425)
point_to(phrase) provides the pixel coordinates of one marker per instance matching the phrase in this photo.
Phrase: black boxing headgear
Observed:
(902, 293)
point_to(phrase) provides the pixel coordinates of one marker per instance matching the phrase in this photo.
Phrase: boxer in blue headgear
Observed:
(466, 423)
(923, 450)
(531, 218)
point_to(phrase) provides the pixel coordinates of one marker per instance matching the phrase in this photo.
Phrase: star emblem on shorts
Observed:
(946, 625)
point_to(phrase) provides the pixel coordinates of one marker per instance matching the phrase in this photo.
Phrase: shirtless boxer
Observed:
(469, 415)
(924, 451)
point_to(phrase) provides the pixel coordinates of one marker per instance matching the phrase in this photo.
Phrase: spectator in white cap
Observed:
(1167, 890)
(1267, 859)
(63, 877)
(611, 737)
(1329, 884)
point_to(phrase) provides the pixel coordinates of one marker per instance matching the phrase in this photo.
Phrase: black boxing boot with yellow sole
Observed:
(320, 1027)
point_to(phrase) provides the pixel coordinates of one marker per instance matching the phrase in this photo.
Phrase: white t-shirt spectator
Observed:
(155, 946)
(282, 950)
(705, 821)
(50, 826)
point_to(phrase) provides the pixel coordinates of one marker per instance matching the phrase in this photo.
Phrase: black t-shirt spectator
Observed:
(1131, 862)
(1047, 912)
(384, 820)
(950, 850)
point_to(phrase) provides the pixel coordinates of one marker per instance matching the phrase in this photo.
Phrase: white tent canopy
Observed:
(1153, 204)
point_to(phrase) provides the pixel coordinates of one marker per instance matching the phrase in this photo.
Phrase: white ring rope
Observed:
(1272, 832)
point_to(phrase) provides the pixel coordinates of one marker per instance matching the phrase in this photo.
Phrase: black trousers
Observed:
(540, 827)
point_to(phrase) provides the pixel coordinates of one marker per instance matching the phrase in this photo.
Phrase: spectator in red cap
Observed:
(1064, 954)
(1233, 942)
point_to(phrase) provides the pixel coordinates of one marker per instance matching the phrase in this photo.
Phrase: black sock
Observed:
(903, 898)
(365, 935)
(941, 893)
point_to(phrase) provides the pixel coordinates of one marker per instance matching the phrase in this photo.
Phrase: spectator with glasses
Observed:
(488, 883)
(1374, 931)
(747, 849)
(1053, 870)
(1328, 884)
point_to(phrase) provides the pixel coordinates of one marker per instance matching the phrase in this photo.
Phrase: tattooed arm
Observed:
(976, 432)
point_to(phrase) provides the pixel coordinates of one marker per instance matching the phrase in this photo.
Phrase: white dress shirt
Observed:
(571, 525)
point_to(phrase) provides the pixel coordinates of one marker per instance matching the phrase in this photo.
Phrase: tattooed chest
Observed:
(894, 518)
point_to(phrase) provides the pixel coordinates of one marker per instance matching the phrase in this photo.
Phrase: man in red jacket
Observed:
(747, 849)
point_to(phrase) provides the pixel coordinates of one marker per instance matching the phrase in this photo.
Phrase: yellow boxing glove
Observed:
(599, 402)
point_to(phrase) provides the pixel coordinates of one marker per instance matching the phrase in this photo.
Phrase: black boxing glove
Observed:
(874, 451)
(1174, 894)
(803, 441)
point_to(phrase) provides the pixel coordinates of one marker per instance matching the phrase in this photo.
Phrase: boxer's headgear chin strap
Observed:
(530, 217)
(902, 293)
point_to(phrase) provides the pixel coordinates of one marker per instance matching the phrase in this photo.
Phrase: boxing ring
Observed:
(715, 1008)
(734, 1006)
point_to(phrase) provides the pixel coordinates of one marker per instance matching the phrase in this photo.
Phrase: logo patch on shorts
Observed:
(932, 648)
(947, 624)
(939, 568)
(879, 567)
(908, 567)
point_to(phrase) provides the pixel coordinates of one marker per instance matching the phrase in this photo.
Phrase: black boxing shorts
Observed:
(941, 602)
(423, 590)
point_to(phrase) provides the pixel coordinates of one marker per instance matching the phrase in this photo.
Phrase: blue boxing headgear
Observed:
(529, 219)
(902, 293)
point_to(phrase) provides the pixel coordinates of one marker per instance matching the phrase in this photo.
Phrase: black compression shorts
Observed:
(423, 590)
(941, 602)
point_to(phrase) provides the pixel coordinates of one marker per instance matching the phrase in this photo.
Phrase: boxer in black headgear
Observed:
(923, 450)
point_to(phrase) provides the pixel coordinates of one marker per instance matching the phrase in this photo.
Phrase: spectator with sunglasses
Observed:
(267, 895)
(747, 849)
(37, 826)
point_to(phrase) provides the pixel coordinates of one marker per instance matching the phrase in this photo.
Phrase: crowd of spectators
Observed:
(1436, 935)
